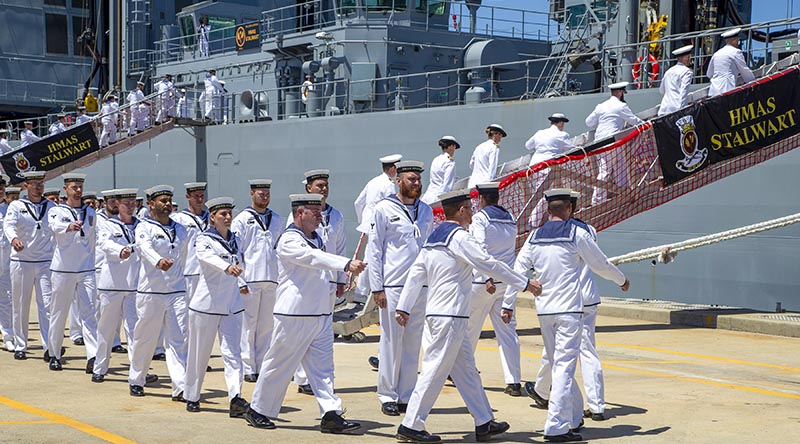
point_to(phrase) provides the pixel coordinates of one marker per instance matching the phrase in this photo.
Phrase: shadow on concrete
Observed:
(365, 389)
(618, 410)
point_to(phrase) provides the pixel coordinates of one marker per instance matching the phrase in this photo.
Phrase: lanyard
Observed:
(413, 220)
(257, 217)
(31, 207)
(202, 221)
(75, 215)
(169, 230)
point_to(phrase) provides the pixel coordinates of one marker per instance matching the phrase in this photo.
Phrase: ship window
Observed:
(217, 23)
(80, 4)
(56, 2)
(56, 29)
(188, 30)
(432, 7)
(385, 5)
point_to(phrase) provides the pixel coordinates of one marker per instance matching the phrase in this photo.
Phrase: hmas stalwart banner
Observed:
(724, 127)
(51, 152)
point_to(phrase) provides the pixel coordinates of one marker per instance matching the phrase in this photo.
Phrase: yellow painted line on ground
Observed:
(25, 422)
(64, 420)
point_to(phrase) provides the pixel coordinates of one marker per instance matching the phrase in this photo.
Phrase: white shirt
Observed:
(217, 292)
(4, 146)
(56, 128)
(675, 88)
(212, 86)
(257, 233)
(109, 112)
(443, 177)
(332, 232)
(183, 107)
(484, 163)
(548, 143)
(164, 87)
(28, 138)
(74, 250)
(135, 96)
(117, 274)
(723, 69)
(155, 242)
(81, 119)
(5, 245)
(496, 231)
(445, 265)
(28, 222)
(609, 117)
(589, 292)
(194, 225)
(143, 212)
(378, 188)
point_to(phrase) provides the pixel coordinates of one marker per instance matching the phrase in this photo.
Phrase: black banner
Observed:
(248, 36)
(50, 152)
(728, 126)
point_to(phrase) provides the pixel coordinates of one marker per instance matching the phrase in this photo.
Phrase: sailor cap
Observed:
(313, 175)
(109, 194)
(3, 130)
(33, 175)
(4, 179)
(731, 33)
(123, 193)
(574, 196)
(683, 50)
(222, 82)
(558, 117)
(168, 75)
(13, 190)
(81, 108)
(112, 97)
(618, 85)
(260, 183)
(140, 83)
(195, 186)
(450, 140)
(410, 166)
(498, 128)
(28, 122)
(558, 194)
(89, 195)
(219, 203)
(139, 198)
(489, 187)
(51, 191)
(392, 158)
(73, 177)
(454, 197)
(183, 90)
(299, 200)
(159, 190)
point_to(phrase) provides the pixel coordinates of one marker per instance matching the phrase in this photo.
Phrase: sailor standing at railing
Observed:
(4, 146)
(203, 30)
(183, 104)
(443, 170)
(137, 109)
(27, 136)
(58, 127)
(727, 64)
(211, 93)
(166, 99)
(675, 84)
(110, 115)
(82, 116)
(485, 158)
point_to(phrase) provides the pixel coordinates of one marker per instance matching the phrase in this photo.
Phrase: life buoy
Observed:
(637, 69)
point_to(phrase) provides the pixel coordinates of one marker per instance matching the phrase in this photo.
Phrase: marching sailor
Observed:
(110, 115)
(727, 64)
(303, 329)
(443, 170)
(401, 223)
(52, 194)
(195, 219)
(446, 265)
(25, 226)
(58, 127)
(161, 293)
(675, 84)
(4, 146)
(556, 251)
(217, 308)
(28, 137)
(12, 194)
(257, 228)
(6, 323)
(486, 156)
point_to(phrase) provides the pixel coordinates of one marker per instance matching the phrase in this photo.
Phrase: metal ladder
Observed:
(571, 40)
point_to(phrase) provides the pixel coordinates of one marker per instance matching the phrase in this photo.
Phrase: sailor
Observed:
(110, 116)
(108, 206)
(6, 323)
(607, 119)
(257, 228)
(221, 105)
(443, 170)
(485, 158)
(51, 194)
(727, 64)
(166, 99)
(675, 84)
(183, 104)
(90, 198)
(25, 226)
(142, 211)
(58, 127)
(195, 219)
(212, 91)
(82, 117)
(446, 265)
(556, 251)
(303, 328)
(4, 146)
(138, 109)
(161, 293)
(551, 142)
(27, 136)
(401, 223)
(12, 194)
(203, 30)
(74, 234)
(495, 229)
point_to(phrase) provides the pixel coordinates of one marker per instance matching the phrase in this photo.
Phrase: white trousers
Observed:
(69, 287)
(153, 311)
(483, 304)
(109, 133)
(166, 107)
(6, 310)
(300, 377)
(610, 164)
(399, 349)
(449, 353)
(75, 325)
(191, 286)
(561, 335)
(113, 305)
(202, 329)
(295, 340)
(257, 324)
(25, 277)
(210, 101)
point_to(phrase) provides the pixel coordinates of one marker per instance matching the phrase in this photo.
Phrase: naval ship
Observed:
(393, 76)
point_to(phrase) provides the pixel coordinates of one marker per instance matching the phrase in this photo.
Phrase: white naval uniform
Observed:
(446, 265)
(675, 89)
(725, 66)
(81, 119)
(72, 275)
(257, 234)
(194, 225)
(56, 128)
(395, 240)
(443, 177)
(110, 113)
(137, 109)
(212, 91)
(6, 323)
(166, 97)
(143, 213)
(29, 268)
(496, 230)
(160, 300)
(377, 189)
(202, 40)
(303, 329)
(546, 144)
(27, 137)
(116, 287)
(557, 251)
(5, 147)
(483, 163)
(216, 309)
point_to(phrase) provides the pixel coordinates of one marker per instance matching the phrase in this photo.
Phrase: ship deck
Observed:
(665, 383)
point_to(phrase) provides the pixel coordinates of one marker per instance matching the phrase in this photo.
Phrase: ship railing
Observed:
(499, 21)
(27, 90)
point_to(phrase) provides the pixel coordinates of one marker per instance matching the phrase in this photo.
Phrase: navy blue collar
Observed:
(442, 235)
(555, 231)
(314, 241)
(396, 200)
(498, 214)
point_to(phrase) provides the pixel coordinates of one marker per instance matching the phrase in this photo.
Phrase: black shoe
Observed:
(404, 434)
(257, 420)
(78, 341)
(390, 409)
(373, 362)
(208, 368)
(137, 390)
(333, 422)
(119, 349)
(594, 416)
(98, 378)
(485, 432)
(46, 357)
(251, 378)
(179, 397)
(402, 407)
(20, 355)
(90, 366)
(566, 437)
(577, 429)
(192, 406)
(150, 378)
(238, 407)
(530, 389)
(55, 365)
(513, 390)
(160, 357)
(305, 389)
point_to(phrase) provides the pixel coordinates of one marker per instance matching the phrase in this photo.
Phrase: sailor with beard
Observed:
(675, 84)
(401, 223)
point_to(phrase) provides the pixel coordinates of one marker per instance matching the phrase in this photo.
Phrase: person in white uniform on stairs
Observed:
(212, 89)
(303, 330)
(195, 219)
(727, 64)
(443, 170)
(257, 228)
(137, 109)
(401, 223)
(110, 116)
(27, 136)
(549, 143)
(6, 322)
(217, 308)
(676, 82)
(446, 265)
(5, 148)
(58, 126)
(166, 99)
(485, 158)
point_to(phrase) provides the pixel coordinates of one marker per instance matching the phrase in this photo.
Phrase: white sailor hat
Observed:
(410, 166)
(169, 74)
(89, 195)
(683, 50)
(112, 97)
(222, 82)
(109, 194)
(3, 130)
(195, 186)
(574, 194)
(498, 128)
(138, 198)
(558, 194)
(4, 180)
(313, 175)
(299, 200)
(260, 183)
(731, 33)
(81, 108)
(28, 122)
(33, 175)
(73, 177)
(453, 197)
(618, 85)
(183, 90)
(13, 190)
(140, 83)
(51, 191)
(448, 140)
(558, 117)
(159, 190)
(219, 203)
(488, 188)
(390, 159)
(123, 193)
